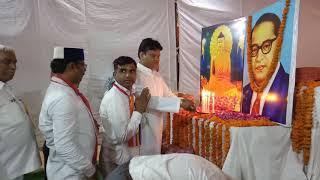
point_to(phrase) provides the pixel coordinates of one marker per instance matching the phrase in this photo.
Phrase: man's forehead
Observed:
(7, 55)
(127, 66)
(156, 51)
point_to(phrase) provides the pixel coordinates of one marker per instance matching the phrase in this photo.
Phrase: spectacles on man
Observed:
(265, 47)
(82, 63)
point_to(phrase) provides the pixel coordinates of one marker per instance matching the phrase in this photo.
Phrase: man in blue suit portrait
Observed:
(271, 99)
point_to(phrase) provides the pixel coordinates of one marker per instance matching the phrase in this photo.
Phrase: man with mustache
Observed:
(18, 148)
(272, 101)
(66, 119)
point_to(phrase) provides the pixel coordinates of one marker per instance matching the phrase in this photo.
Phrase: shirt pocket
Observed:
(10, 112)
(5, 100)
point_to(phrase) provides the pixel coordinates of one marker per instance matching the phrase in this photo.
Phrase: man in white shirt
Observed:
(66, 119)
(120, 117)
(149, 55)
(168, 167)
(18, 148)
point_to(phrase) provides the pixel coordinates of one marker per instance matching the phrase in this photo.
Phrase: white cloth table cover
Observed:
(262, 153)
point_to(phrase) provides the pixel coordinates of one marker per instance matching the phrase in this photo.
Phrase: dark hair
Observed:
(269, 17)
(60, 65)
(123, 60)
(149, 44)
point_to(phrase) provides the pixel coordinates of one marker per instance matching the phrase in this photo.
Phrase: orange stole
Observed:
(135, 140)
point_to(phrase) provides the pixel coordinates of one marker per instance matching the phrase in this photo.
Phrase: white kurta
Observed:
(69, 131)
(152, 127)
(119, 128)
(18, 148)
(174, 167)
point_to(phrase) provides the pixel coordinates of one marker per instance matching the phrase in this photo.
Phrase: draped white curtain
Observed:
(106, 29)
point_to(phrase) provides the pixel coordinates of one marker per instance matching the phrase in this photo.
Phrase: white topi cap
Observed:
(74, 54)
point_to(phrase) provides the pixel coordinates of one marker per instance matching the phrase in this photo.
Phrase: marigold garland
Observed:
(180, 132)
(219, 145)
(276, 53)
(226, 143)
(297, 123)
(190, 139)
(167, 129)
(215, 140)
(214, 144)
(303, 120)
(176, 118)
(203, 145)
(196, 132)
(207, 139)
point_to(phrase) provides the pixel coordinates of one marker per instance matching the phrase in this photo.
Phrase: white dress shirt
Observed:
(119, 127)
(174, 167)
(163, 100)
(69, 131)
(18, 148)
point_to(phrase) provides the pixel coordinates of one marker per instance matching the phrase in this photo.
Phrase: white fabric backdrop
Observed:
(196, 14)
(106, 29)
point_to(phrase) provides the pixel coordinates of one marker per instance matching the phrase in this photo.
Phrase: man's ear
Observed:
(70, 66)
(141, 54)
(114, 74)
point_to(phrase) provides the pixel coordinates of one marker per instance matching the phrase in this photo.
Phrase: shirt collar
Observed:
(2, 84)
(123, 88)
(144, 69)
(58, 80)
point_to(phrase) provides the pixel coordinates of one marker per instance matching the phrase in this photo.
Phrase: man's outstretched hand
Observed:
(188, 105)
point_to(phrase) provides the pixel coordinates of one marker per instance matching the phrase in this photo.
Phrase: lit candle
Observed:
(204, 101)
(212, 102)
(207, 101)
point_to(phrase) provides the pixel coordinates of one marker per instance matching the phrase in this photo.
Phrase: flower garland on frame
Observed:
(276, 55)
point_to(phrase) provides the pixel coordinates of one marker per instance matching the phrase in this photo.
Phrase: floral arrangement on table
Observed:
(225, 102)
(209, 134)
